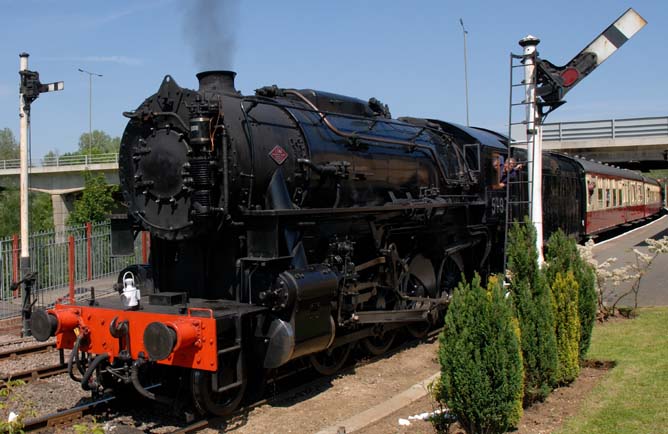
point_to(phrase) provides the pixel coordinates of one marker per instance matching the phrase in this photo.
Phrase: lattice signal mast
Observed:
(547, 84)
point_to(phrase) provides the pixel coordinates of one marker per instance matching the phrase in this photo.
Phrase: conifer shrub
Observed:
(481, 364)
(567, 326)
(532, 300)
(562, 255)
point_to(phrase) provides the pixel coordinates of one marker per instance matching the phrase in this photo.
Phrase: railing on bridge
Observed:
(89, 246)
(606, 129)
(63, 160)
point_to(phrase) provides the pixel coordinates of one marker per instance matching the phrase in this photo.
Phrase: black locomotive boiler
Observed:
(288, 224)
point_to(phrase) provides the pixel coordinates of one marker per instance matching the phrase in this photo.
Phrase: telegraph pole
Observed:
(29, 90)
(466, 72)
(90, 107)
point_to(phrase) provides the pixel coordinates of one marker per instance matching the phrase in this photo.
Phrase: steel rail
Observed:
(33, 374)
(65, 416)
(23, 351)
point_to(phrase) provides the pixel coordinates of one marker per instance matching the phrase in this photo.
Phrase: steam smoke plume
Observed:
(210, 29)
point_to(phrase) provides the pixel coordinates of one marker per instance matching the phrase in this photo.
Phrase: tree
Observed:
(96, 202)
(567, 326)
(9, 147)
(102, 143)
(562, 256)
(481, 364)
(41, 212)
(533, 305)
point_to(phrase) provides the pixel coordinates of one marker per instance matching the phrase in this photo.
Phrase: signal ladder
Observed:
(519, 188)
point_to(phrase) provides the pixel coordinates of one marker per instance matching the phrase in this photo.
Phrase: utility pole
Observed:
(90, 107)
(29, 90)
(534, 140)
(466, 72)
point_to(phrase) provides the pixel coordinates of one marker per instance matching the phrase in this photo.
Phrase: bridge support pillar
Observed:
(63, 204)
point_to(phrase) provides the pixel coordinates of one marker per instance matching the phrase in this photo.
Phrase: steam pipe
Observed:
(338, 132)
(134, 376)
(74, 358)
(89, 372)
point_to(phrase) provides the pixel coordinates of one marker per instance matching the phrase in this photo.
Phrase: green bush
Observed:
(481, 364)
(567, 326)
(562, 256)
(96, 202)
(533, 305)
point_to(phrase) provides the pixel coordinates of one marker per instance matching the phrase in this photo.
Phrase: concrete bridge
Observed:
(62, 178)
(637, 143)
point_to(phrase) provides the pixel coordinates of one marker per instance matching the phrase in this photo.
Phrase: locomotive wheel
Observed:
(216, 403)
(418, 281)
(377, 345)
(329, 361)
(449, 274)
(419, 330)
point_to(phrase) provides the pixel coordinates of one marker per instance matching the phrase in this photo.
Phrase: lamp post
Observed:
(466, 71)
(90, 106)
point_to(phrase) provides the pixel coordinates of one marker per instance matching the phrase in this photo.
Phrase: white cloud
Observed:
(137, 8)
(122, 60)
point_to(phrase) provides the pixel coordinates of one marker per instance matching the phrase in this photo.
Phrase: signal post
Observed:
(30, 89)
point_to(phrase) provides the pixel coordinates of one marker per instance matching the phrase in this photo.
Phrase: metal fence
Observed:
(64, 160)
(606, 129)
(80, 255)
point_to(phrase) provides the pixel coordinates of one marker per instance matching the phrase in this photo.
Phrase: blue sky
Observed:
(407, 54)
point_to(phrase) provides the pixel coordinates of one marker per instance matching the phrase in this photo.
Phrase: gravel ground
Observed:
(30, 361)
(303, 411)
(5, 339)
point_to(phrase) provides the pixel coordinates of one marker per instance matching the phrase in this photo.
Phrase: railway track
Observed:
(65, 416)
(16, 342)
(72, 415)
(34, 374)
(33, 349)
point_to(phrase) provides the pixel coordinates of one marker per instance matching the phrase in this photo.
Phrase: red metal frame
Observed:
(89, 251)
(71, 265)
(144, 247)
(196, 335)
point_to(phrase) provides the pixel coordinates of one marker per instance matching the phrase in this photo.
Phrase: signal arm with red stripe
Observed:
(553, 82)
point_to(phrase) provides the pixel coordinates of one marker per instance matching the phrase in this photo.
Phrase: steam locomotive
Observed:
(289, 224)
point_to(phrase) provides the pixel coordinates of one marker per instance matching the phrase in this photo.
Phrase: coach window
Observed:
(591, 187)
(621, 198)
(607, 198)
(614, 197)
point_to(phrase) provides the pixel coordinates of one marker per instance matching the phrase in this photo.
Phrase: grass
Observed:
(633, 397)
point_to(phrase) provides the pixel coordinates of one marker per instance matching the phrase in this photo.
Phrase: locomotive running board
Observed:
(381, 316)
(329, 212)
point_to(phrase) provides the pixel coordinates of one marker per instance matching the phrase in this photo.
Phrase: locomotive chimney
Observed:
(216, 81)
